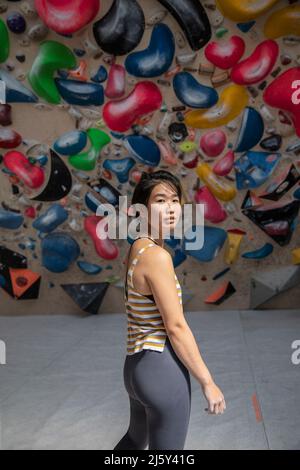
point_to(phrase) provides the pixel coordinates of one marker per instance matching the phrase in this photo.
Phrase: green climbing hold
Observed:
(221, 32)
(52, 56)
(87, 161)
(4, 42)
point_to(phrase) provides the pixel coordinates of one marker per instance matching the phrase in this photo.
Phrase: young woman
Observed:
(161, 348)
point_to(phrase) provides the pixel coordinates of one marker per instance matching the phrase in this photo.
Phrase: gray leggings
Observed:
(159, 389)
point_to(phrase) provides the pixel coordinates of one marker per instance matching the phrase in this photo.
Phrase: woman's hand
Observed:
(215, 399)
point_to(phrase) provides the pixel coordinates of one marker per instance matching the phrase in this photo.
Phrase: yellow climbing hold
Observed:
(296, 256)
(188, 146)
(232, 101)
(283, 22)
(233, 246)
(244, 11)
(218, 186)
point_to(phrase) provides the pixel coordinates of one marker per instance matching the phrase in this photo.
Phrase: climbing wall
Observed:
(93, 93)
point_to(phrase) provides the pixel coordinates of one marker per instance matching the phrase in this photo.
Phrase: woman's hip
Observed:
(157, 378)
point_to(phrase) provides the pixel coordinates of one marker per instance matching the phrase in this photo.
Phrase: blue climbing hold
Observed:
(100, 76)
(210, 239)
(10, 220)
(71, 143)
(89, 268)
(261, 253)
(15, 91)
(254, 168)
(51, 219)
(120, 168)
(192, 93)
(80, 93)
(157, 58)
(144, 149)
(251, 131)
(59, 251)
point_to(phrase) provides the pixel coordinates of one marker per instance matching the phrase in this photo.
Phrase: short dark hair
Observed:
(148, 181)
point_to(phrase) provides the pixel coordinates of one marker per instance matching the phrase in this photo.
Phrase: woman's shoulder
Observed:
(156, 251)
(154, 255)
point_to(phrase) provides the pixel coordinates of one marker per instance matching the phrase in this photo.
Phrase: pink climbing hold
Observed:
(105, 248)
(116, 84)
(258, 65)
(213, 210)
(226, 53)
(67, 16)
(120, 115)
(167, 153)
(31, 175)
(283, 93)
(213, 142)
(224, 166)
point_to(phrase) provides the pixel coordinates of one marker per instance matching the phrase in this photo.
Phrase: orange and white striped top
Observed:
(145, 326)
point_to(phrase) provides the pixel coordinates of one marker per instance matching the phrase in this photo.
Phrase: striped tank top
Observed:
(145, 327)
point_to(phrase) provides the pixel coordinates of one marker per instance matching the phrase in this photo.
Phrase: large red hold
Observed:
(258, 65)
(96, 226)
(31, 175)
(283, 93)
(67, 16)
(120, 115)
(225, 54)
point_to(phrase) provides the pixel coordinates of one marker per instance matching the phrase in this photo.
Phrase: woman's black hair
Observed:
(148, 181)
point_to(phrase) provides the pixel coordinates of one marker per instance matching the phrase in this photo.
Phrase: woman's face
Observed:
(164, 208)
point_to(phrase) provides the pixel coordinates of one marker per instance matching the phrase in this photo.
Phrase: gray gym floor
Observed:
(62, 386)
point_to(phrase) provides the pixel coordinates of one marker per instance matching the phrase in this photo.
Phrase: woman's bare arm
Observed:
(160, 278)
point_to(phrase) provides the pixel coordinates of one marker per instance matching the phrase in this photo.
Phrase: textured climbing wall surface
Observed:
(91, 98)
